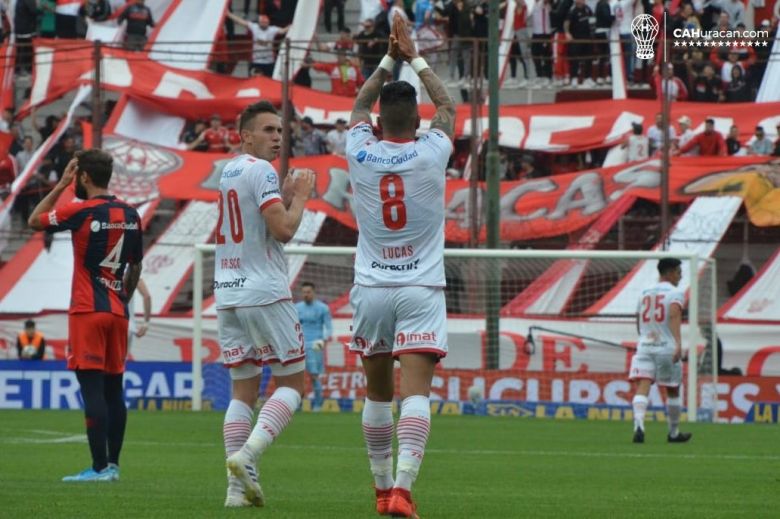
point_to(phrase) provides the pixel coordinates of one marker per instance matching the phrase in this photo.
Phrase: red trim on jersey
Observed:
(359, 123)
(397, 140)
(439, 353)
(268, 203)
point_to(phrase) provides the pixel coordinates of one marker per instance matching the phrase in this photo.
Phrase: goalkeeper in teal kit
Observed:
(317, 331)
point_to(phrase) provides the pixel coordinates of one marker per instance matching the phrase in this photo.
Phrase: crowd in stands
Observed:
(69, 20)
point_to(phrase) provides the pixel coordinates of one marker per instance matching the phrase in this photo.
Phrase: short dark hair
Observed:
(253, 110)
(308, 284)
(397, 106)
(29, 323)
(97, 164)
(666, 265)
(710, 120)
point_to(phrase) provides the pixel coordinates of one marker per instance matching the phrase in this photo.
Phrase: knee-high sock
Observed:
(673, 405)
(378, 433)
(317, 385)
(640, 407)
(237, 426)
(117, 416)
(274, 417)
(414, 425)
(95, 414)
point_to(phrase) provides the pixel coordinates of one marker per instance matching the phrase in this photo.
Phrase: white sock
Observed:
(640, 406)
(274, 417)
(414, 425)
(673, 415)
(378, 433)
(235, 431)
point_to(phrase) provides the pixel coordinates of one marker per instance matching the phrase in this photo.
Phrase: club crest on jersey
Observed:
(271, 177)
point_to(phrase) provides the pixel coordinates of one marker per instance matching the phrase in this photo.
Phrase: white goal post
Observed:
(620, 265)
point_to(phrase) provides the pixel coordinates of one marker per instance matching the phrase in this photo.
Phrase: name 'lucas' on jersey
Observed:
(398, 200)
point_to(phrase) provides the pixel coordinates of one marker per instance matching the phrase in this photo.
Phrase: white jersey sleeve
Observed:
(653, 311)
(398, 201)
(250, 266)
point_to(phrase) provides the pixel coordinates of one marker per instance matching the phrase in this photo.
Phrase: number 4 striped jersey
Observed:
(106, 235)
(653, 310)
(398, 201)
(250, 268)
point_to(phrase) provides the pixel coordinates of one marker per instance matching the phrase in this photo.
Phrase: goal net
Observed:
(530, 332)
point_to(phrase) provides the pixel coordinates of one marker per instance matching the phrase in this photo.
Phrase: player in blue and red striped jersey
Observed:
(107, 250)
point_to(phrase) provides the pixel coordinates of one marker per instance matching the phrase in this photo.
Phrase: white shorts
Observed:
(257, 335)
(398, 320)
(657, 367)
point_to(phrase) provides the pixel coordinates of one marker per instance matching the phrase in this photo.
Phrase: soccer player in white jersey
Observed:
(659, 351)
(398, 297)
(257, 321)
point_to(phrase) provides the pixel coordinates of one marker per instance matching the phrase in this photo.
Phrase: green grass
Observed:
(172, 466)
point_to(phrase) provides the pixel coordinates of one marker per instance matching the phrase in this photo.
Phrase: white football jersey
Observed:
(250, 266)
(638, 147)
(398, 201)
(653, 316)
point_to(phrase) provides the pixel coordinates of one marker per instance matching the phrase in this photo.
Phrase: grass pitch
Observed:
(475, 467)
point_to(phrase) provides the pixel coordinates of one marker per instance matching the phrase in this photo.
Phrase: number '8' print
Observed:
(394, 220)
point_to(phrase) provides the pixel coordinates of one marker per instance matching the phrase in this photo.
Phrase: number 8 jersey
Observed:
(250, 267)
(653, 310)
(398, 201)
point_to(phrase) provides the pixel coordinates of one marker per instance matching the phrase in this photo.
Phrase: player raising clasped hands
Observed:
(400, 313)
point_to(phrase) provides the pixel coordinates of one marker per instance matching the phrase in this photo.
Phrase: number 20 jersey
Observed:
(250, 267)
(398, 201)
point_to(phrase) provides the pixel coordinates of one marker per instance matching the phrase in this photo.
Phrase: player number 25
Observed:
(396, 221)
(234, 218)
(648, 303)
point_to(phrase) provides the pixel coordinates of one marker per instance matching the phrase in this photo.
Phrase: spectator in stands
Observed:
(193, 137)
(738, 90)
(95, 11)
(479, 17)
(345, 77)
(263, 35)
(62, 154)
(328, 10)
(707, 87)
(25, 27)
(519, 47)
(732, 141)
(541, 42)
(528, 168)
(24, 155)
(761, 144)
(710, 142)
(731, 62)
(655, 134)
(604, 20)
(372, 46)
(7, 120)
(7, 175)
(776, 150)
(30, 344)
(312, 140)
(67, 16)
(637, 145)
(138, 18)
(577, 28)
(234, 137)
(460, 48)
(216, 135)
(735, 9)
(672, 86)
(686, 134)
(337, 138)
(47, 19)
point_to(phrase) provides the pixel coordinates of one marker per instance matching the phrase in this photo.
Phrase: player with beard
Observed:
(107, 250)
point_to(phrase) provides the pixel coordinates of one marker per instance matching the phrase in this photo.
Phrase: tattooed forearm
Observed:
(369, 93)
(444, 119)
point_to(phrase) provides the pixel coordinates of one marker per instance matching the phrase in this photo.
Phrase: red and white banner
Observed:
(562, 127)
(759, 300)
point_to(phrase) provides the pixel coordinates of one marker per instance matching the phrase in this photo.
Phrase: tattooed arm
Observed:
(444, 119)
(369, 93)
